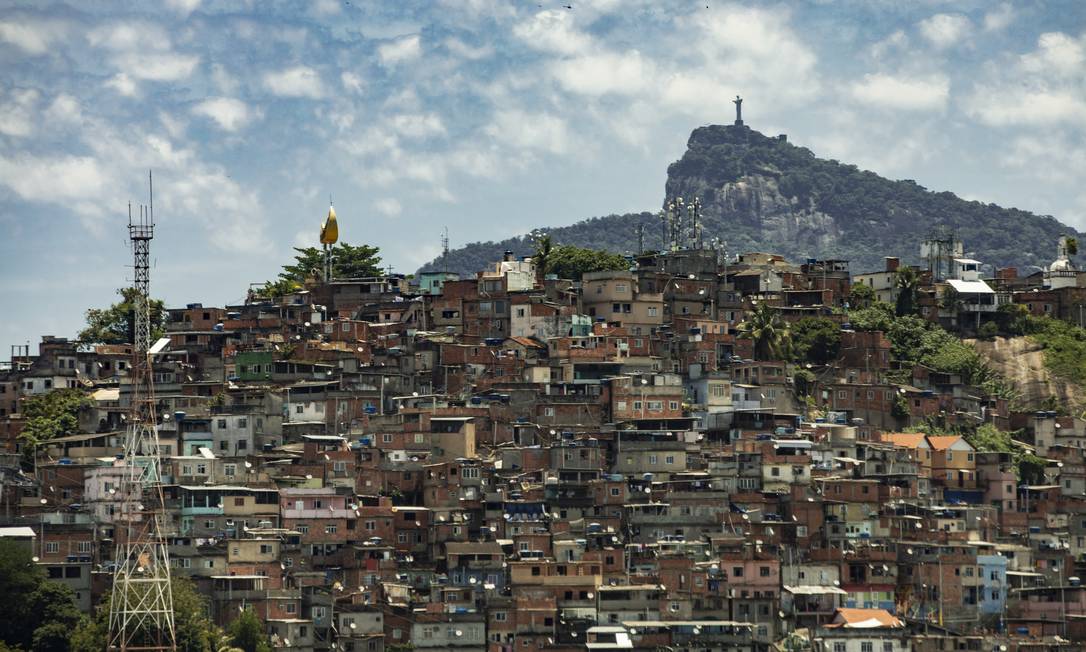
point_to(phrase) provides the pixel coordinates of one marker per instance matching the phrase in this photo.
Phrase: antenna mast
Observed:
(445, 251)
(141, 615)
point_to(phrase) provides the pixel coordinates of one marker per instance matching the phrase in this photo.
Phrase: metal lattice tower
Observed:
(141, 613)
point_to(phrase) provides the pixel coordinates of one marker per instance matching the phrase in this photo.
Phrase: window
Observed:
(220, 424)
(615, 491)
(867, 646)
(652, 311)
(370, 525)
(500, 616)
(303, 529)
(386, 438)
(763, 571)
(243, 423)
(291, 607)
(52, 546)
(85, 546)
(737, 571)
(670, 459)
(839, 646)
(330, 528)
(673, 405)
(653, 459)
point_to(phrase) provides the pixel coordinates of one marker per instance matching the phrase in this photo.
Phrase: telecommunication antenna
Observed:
(445, 251)
(141, 615)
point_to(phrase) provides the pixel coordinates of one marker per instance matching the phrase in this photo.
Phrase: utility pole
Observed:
(141, 615)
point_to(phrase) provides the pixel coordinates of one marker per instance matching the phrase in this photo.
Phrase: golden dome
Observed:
(329, 229)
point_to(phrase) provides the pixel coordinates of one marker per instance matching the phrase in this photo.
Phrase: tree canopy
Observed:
(348, 261)
(247, 633)
(39, 615)
(117, 323)
(571, 262)
(769, 332)
(53, 414)
(816, 340)
(195, 631)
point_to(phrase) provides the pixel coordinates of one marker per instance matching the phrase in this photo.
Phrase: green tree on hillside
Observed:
(860, 296)
(816, 340)
(51, 415)
(569, 262)
(348, 261)
(117, 323)
(39, 614)
(195, 631)
(543, 256)
(247, 633)
(907, 282)
(770, 334)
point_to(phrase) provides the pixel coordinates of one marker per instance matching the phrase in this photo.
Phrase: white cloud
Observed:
(229, 113)
(1007, 105)
(999, 18)
(123, 84)
(183, 7)
(1045, 157)
(53, 178)
(465, 51)
(1056, 53)
(32, 38)
(891, 45)
(161, 66)
(1044, 87)
(351, 82)
(600, 74)
(17, 111)
(945, 30)
(388, 206)
(327, 7)
(418, 125)
(532, 131)
(64, 108)
(553, 31)
(906, 93)
(130, 36)
(408, 48)
(299, 81)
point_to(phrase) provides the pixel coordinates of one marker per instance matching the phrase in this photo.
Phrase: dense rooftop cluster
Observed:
(696, 453)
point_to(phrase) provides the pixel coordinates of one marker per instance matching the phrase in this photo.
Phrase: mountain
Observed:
(762, 193)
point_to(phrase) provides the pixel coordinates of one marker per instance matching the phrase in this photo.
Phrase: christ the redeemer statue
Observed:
(738, 102)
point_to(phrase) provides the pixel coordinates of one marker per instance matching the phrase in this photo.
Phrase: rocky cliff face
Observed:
(761, 193)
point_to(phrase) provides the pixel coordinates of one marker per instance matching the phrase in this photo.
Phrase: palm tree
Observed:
(907, 282)
(544, 252)
(769, 332)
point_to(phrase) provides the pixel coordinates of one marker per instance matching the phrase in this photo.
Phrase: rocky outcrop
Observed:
(1021, 361)
(762, 193)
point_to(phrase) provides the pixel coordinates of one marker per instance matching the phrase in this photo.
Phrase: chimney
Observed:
(892, 263)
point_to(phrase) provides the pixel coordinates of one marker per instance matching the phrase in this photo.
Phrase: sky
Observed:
(488, 118)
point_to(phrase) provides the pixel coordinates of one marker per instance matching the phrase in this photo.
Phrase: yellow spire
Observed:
(330, 230)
